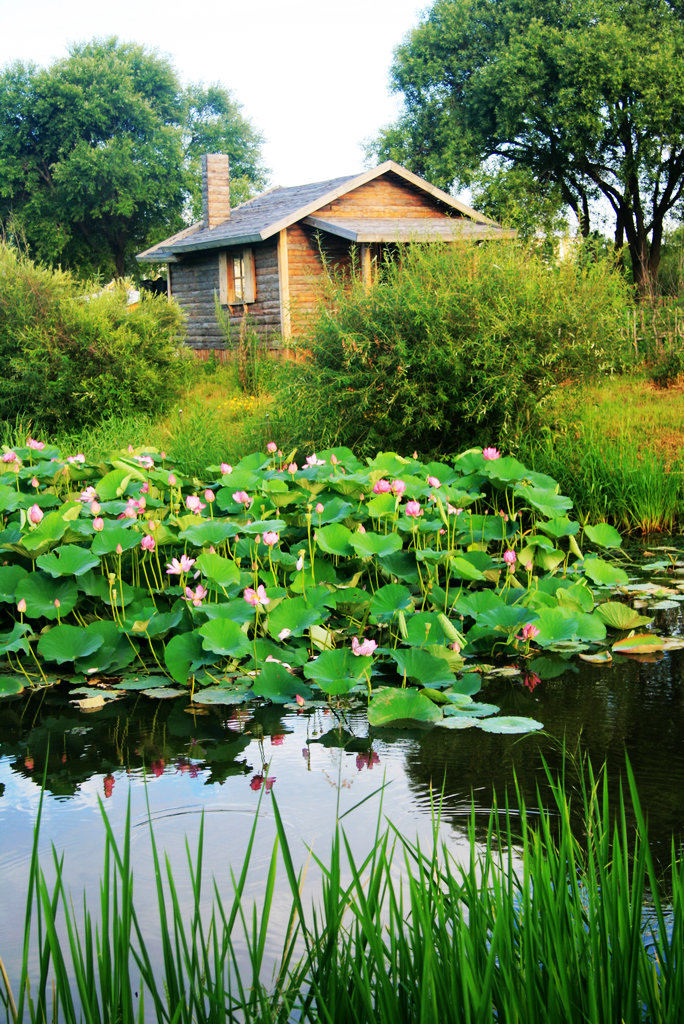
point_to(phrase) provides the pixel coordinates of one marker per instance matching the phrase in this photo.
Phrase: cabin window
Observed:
(237, 277)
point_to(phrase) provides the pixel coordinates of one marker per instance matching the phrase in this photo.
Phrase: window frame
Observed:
(227, 279)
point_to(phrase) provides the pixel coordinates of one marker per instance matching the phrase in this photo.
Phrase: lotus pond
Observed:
(313, 631)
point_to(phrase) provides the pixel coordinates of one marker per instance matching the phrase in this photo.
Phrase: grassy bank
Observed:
(537, 926)
(617, 449)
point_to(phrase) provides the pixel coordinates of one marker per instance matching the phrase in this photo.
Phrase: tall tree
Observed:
(587, 94)
(98, 153)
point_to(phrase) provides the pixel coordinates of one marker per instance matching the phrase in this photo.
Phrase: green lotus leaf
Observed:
(14, 641)
(113, 484)
(509, 724)
(382, 505)
(546, 500)
(10, 498)
(296, 615)
(603, 535)
(67, 643)
(222, 571)
(182, 652)
(40, 594)
(223, 636)
(278, 685)
(264, 526)
(210, 531)
(425, 628)
(389, 600)
(10, 686)
(337, 671)
(394, 704)
(10, 575)
(141, 683)
(506, 470)
(604, 573)
(458, 721)
(48, 532)
(475, 709)
(117, 650)
(423, 667)
(469, 684)
(111, 536)
(67, 560)
(222, 695)
(644, 643)
(334, 539)
(163, 692)
(559, 526)
(620, 616)
(368, 544)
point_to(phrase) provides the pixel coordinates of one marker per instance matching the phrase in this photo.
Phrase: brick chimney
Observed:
(215, 189)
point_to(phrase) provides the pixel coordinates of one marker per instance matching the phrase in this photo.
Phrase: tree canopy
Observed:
(99, 153)
(585, 95)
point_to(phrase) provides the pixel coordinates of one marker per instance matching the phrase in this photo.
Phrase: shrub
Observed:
(452, 345)
(70, 357)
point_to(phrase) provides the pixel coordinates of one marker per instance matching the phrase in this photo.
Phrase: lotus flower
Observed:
(196, 596)
(313, 460)
(433, 482)
(209, 496)
(176, 567)
(37, 446)
(226, 468)
(257, 598)
(509, 559)
(398, 487)
(242, 498)
(21, 606)
(35, 514)
(270, 538)
(490, 454)
(413, 509)
(76, 460)
(284, 633)
(98, 524)
(145, 461)
(148, 543)
(10, 457)
(172, 480)
(364, 648)
(529, 632)
(271, 447)
(194, 504)
(320, 508)
(382, 487)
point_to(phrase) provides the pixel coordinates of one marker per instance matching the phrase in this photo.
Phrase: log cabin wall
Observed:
(194, 281)
(385, 197)
(306, 270)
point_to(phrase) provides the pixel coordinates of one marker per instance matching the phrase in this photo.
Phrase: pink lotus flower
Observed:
(10, 457)
(313, 460)
(98, 524)
(382, 487)
(271, 447)
(509, 559)
(37, 446)
(209, 496)
(145, 461)
(491, 453)
(320, 508)
(175, 567)
(242, 498)
(119, 549)
(528, 566)
(398, 487)
(270, 538)
(145, 489)
(413, 509)
(300, 563)
(196, 596)
(226, 468)
(148, 543)
(193, 503)
(95, 508)
(529, 632)
(34, 482)
(172, 480)
(292, 468)
(21, 606)
(257, 598)
(35, 514)
(456, 647)
(531, 681)
(57, 603)
(334, 461)
(284, 633)
(433, 481)
(130, 512)
(300, 700)
(277, 739)
(361, 528)
(76, 460)
(364, 648)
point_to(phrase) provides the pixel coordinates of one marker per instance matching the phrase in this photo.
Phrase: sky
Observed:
(312, 75)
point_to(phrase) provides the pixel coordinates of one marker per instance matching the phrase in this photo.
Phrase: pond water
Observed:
(227, 762)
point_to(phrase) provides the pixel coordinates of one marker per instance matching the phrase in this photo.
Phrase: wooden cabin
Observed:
(268, 256)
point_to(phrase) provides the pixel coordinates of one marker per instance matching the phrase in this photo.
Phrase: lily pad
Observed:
(392, 704)
(510, 724)
(640, 643)
(620, 616)
(67, 643)
(222, 636)
(10, 686)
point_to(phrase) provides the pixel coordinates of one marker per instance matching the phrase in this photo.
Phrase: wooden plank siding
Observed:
(306, 271)
(384, 197)
(195, 281)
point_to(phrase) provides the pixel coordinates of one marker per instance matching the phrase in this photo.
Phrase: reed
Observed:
(547, 921)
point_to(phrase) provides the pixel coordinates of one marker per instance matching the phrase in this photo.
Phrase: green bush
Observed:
(71, 355)
(453, 345)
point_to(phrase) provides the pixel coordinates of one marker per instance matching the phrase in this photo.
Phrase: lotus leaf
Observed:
(278, 685)
(294, 614)
(223, 636)
(68, 560)
(391, 704)
(620, 616)
(67, 643)
(423, 667)
(40, 594)
(509, 724)
(218, 569)
(10, 686)
(603, 535)
(369, 544)
(334, 539)
(182, 652)
(337, 671)
(604, 573)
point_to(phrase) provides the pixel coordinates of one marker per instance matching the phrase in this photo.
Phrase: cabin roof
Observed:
(266, 214)
(407, 229)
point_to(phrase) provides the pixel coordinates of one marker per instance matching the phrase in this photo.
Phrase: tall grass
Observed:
(539, 925)
(612, 480)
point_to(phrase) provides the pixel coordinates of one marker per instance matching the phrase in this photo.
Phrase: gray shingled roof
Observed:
(249, 222)
(406, 229)
(261, 217)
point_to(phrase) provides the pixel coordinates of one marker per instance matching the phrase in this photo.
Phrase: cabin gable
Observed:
(387, 196)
